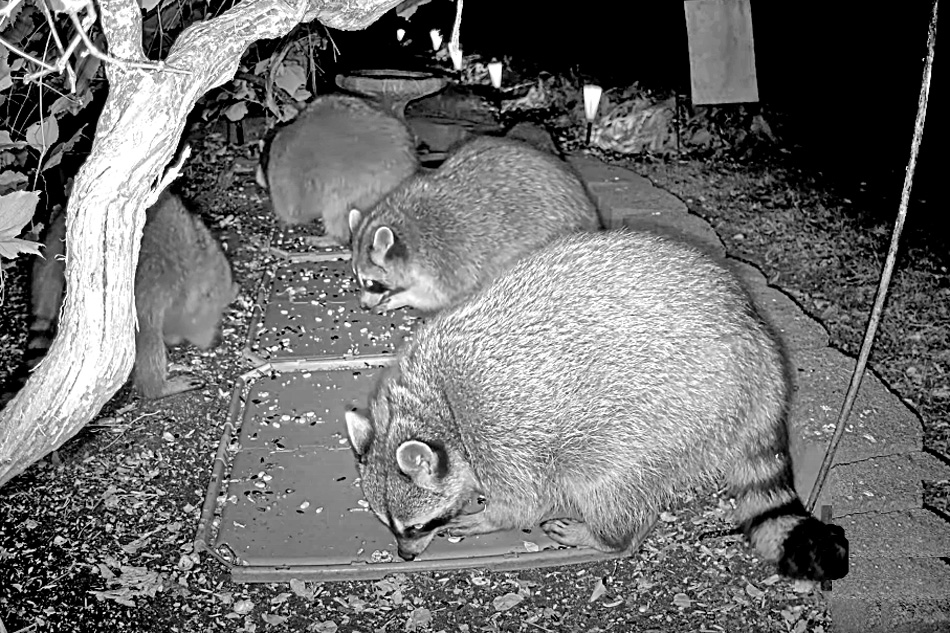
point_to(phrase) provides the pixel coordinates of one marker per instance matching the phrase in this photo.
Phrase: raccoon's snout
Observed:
(406, 556)
(367, 301)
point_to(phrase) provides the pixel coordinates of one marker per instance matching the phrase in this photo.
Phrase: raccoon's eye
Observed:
(375, 287)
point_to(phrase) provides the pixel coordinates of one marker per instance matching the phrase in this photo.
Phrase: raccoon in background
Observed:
(442, 234)
(182, 286)
(580, 390)
(339, 153)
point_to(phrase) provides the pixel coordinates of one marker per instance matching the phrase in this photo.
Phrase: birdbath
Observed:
(392, 89)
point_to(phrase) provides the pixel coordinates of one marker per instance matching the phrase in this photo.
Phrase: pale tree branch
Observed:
(135, 139)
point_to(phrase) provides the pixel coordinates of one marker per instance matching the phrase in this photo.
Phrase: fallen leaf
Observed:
(243, 607)
(419, 618)
(599, 590)
(753, 591)
(682, 600)
(507, 601)
(273, 618)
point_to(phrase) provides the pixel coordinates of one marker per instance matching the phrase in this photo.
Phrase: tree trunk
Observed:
(135, 139)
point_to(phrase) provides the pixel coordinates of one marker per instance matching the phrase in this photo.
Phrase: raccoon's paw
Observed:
(469, 525)
(394, 302)
(572, 533)
(177, 385)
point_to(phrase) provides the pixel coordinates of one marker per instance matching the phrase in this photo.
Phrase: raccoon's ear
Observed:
(383, 240)
(421, 462)
(355, 217)
(360, 430)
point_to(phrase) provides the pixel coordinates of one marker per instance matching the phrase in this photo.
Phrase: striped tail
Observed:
(775, 520)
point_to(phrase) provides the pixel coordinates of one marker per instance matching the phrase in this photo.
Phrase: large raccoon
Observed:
(339, 153)
(442, 234)
(182, 286)
(580, 390)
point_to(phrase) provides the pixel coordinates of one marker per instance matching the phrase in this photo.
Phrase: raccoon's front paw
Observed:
(570, 532)
(468, 525)
(180, 384)
(392, 302)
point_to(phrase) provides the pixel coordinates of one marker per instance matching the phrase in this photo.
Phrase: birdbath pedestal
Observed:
(392, 89)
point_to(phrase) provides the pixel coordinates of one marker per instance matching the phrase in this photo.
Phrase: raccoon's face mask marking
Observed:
(414, 495)
(377, 269)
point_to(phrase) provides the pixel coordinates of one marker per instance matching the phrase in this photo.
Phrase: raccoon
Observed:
(440, 235)
(580, 390)
(339, 153)
(182, 286)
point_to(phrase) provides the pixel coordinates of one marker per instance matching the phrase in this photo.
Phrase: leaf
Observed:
(599, 591)
(16, 209)
(273, 618)
(299, 587)
(243, 607)
(408, 8)
(60, 150)
(682, 600)
(148, 5)
(237, 111)
(122, 596)
(771, 580)
(66, 103)
(325, 627)
(290, 77)
(10, 180)
(5, 80)
(507, 601)
(43, 134)
(419, 618)
(13, 247)
(6, 142)
(753, 591)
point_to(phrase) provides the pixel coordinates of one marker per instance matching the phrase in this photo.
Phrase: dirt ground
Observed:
(98, 537)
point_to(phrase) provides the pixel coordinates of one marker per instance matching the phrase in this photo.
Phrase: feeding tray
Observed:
(310, 310)
(391, 88)
(284, 501)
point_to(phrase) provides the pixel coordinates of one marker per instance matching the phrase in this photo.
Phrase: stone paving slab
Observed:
(880, 484)
(923, 534)
(890, 595)
(879, 424)
(798, 330)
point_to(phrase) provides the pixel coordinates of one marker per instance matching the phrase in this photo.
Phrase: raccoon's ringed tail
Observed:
(802, 546)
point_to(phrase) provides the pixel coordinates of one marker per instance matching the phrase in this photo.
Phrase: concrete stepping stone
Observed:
(893, 595)
(798, 330)
(914, 533)
(880, 423)
(875, 485)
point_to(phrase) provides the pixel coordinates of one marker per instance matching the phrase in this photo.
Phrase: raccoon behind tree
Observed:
(339, 153)
(580, 391)
(442, 234)
(182, 286)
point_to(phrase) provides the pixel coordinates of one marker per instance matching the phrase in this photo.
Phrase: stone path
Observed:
(898, 580)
